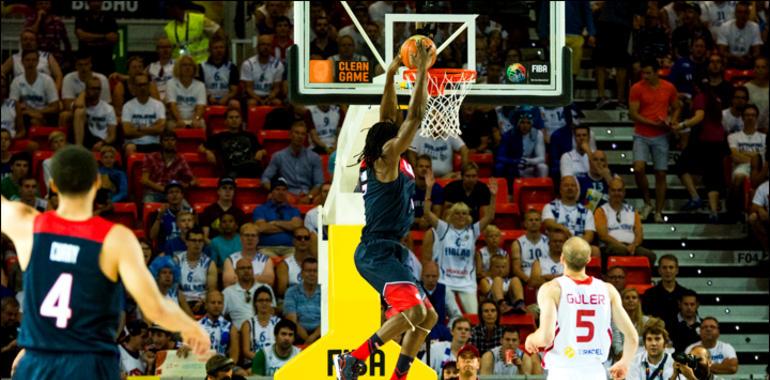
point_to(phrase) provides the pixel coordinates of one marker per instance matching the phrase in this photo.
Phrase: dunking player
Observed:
(72, 263)
(388, 182)
(575, 315)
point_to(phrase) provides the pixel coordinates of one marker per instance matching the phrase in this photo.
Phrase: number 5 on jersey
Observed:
(583, 323)
(57, 302)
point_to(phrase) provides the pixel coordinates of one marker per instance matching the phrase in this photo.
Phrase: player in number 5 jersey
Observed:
(575, 315)
(72, 263)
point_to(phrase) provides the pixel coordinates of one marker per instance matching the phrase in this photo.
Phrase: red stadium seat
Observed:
(485, 161)
(594, 267)
(37, 168)
(199, 207)
(139, 233)
(502, 189)
(215, 119)
(325, 167)
(640, 288)
(205, 191)
(199, 165)
(274, 140)
(534, 206)
(525, 323)
(508, 236)
(506, 213)
(532, 190)
(40, 133)
(18, 145)
(134, 173)
(303, 209)
(256, 118)
(124, 213)
(735, 75)
(248, 209)
(473, 318)
(637, 268)
(417, 237)
(188, 139)
(147, 210)
(249, 190)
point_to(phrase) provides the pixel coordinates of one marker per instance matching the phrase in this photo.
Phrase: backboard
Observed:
(517, 49)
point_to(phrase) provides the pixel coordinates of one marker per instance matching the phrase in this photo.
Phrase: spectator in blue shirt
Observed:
(113, 179)
(302, 303)
(277, 220)
(299, 166)
(594, 188)
(689, 70)
(164, 227)
(423, 166)
(522, 151)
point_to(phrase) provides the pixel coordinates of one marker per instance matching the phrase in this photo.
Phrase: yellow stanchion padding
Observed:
(354, 315)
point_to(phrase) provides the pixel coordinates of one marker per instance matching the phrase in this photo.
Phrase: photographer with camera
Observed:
(723, 356)
(654, 363)
(693, 366)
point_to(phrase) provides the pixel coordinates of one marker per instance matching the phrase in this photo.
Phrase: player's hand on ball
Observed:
(618, 371)
(422, 55)
(197, 339)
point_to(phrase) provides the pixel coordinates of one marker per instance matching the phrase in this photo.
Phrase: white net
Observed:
(447, 89)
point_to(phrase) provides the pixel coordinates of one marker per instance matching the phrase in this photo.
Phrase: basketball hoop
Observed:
(447, 89)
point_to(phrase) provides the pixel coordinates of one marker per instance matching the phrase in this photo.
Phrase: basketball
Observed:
(409, 48)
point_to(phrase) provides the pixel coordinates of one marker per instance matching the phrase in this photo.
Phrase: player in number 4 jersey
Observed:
(575, 315)
(72, 263)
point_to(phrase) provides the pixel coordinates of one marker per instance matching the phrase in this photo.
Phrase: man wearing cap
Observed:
(160, 168)
(468, 362)
(219, 367)
(277, 220)
(210, 217)
(299, 166)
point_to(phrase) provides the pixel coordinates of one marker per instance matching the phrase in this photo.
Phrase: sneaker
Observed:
(658, 217)
(713, 218)
(505, 308)
(519, 307)
(693, 204)
(644, 213)
(605, 104)
(348, 367)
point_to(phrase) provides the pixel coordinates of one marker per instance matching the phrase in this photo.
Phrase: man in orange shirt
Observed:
(654, 108)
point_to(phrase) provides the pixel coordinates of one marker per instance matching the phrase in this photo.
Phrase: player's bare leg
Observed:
(411, 343)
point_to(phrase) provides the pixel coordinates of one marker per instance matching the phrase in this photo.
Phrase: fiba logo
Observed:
(516, 73)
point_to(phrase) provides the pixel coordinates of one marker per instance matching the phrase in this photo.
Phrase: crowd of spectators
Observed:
(251, 274)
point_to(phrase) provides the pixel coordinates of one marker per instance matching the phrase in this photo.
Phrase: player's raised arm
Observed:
(630, 336)
(389, 111)
(547, 298)
(427, 211)
(121, 244)
(416, 112)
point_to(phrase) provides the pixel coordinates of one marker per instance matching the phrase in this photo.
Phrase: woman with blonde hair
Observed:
(455, 244)
(186, 96)
(633, 306)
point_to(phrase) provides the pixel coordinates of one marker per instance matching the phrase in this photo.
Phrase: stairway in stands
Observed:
(719, 261)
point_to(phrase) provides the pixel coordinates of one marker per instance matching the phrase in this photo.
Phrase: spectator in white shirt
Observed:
(758, 217)
(724, 360)
(441, 153)
(46, 64)
(739, 40)
(715, 13)
(575, 161)
(262, 75)
(347, 50)
(311, 218)
(220, 75)
(732, 117)
(35, 92)
(144, 119)
(654, 362)
(324, 122)
(261, 264)
(619, 226)
(162, 70)
(758, 92)
(75, 83)
(97, 115)
(186, 96)
(747, 147)
(566, 214)
(238, 297)
(442, 352)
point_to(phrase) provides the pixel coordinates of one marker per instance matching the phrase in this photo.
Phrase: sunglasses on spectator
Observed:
(302, 237)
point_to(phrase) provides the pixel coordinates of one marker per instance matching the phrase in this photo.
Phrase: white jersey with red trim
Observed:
(583, 331)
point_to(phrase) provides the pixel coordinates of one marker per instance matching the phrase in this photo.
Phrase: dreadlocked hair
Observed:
(378, 135)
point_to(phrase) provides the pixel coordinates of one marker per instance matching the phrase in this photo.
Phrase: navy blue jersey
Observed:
(69, 304)
(388, 206)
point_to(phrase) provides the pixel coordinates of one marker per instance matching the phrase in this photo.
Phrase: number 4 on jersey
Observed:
(57, 302)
